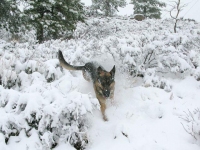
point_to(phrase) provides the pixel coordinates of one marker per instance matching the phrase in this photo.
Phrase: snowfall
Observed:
(157, 93)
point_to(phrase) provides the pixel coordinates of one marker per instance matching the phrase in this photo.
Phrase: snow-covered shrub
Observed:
(94, 28)
(191, 123)
(132, 47)
(9, 78)
(22, 36)
(197, 74)
(31, 66)
(40, 106)
(4, 34)
(137, 49)
(67, 124)
(151, 80)
(194, 47)
(52, 70)
(60, 119)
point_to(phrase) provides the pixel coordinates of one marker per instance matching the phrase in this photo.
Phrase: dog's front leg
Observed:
(112, 97)
(102, 101)
(103, 108)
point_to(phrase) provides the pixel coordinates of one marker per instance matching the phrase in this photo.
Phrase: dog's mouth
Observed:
(106, 93)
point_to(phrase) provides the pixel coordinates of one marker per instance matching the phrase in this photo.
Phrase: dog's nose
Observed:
(106, 93)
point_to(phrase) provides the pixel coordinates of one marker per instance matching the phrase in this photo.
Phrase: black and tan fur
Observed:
(103, 81)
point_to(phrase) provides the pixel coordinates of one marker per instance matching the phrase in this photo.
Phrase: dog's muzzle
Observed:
(106, 93)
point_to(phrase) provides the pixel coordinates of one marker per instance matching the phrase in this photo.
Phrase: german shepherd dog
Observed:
(103, 81)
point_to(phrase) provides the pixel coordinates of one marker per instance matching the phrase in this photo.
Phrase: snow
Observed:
(47, 107)
(141, 118)
(145, 118)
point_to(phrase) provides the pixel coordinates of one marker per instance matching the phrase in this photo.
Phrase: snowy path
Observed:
(146, 118)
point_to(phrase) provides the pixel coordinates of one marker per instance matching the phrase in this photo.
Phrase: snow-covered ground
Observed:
(43, 106)
(146, 118)
(140, 118)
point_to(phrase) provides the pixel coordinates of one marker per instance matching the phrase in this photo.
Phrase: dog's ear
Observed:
(112, 72)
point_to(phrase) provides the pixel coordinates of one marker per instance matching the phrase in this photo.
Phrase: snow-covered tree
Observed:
(10, 15)
(149, 8)
(108, 7)
(53, 17)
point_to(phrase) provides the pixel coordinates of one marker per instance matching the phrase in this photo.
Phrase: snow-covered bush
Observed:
(31, 66)
(151, 80)
(197, 74)
(52, 70)
(9, 78)
(55, 117)
(32, 105)
(191, 123)
(21, 37)
(133, 46)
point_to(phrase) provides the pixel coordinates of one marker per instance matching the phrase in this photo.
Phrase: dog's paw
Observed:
(105, 118)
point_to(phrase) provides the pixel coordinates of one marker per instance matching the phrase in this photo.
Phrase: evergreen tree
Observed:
(52, 17)
(149, 8)
(108, 7)
(10, 15)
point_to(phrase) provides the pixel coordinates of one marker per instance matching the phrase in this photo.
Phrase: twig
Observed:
(189, 132)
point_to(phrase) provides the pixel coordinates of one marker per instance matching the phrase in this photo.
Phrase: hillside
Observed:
(156, 105)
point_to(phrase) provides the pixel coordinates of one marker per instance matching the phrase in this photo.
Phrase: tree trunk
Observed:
(145, 11)
(107, 8)
(40, 36)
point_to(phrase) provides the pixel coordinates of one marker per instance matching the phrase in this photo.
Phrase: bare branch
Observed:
(176, 6)
(189, 132)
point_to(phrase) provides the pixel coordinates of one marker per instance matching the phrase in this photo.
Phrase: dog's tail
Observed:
(67, 66)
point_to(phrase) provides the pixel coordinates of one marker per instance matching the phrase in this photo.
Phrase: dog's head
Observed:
(105, 81)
